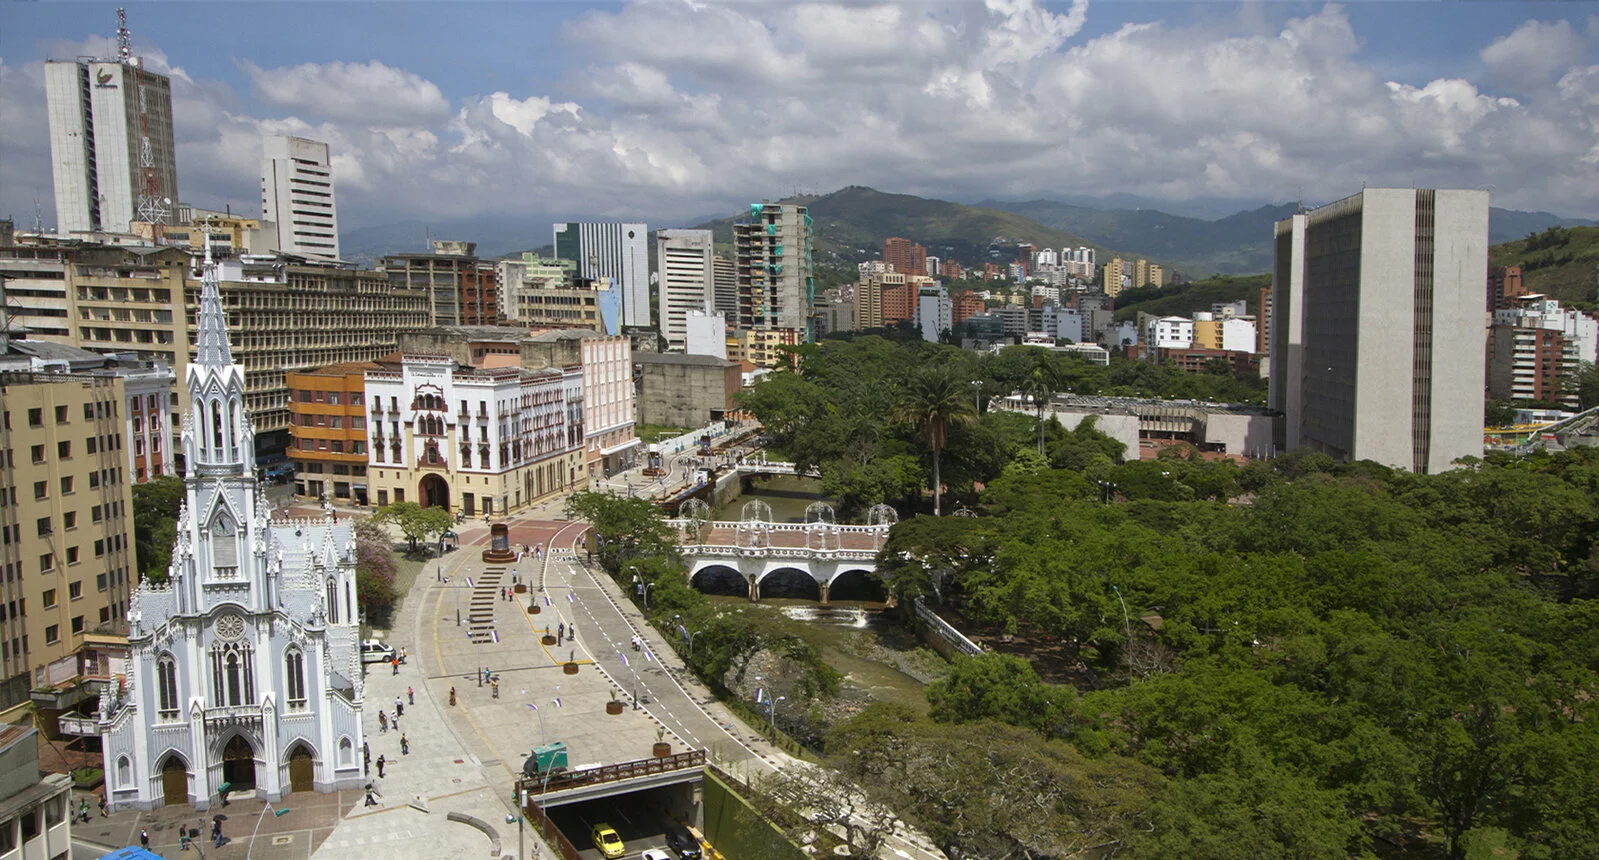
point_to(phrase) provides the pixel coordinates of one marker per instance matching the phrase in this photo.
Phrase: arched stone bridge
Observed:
(756, 549)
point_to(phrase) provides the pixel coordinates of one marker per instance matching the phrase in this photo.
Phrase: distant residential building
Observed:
(952, 269)
(966, 305)
(933, 268)
(616, 251)
(904, 256)
(1196, 359)
(112, 148)
(1228, 310)
(687, 280)
(1378, 342)
(764, 347)
(1530, 363)
(231, 235)
(440, 275)
(684, 390)
(1171, 332)
(548, 295)
(773, 257)
(1505, 285)
(934, 312)
(1117, 275)
(1147, 274)
(1263, 325)
(705, 333)
(1092, 353)
(834, 312)
(297, 196)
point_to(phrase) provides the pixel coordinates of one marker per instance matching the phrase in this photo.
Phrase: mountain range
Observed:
(851, 224)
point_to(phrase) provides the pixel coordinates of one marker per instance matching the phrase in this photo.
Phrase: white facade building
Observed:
(1378, 327)
(297, 196)
(706, 334)
(1577, 327)
(608, 413)
(112, 149)
(687, 281)
(1237, 334)
(934, 311)
(245, 666)
(616, 251)
(1169, 333)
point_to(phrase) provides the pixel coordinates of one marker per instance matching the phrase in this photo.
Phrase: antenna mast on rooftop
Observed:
(124, 38)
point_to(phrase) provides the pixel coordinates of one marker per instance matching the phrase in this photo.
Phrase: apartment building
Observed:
(618, 252)
(1530, 363)
(35, 807)
(875, 298)
(966, 304)
(327, 431)
(904, 256)
(1505, 286)
(1378, 327)
(477, 440)
(1118, 274)
(774, 269)
(66, 507)
(442, 275)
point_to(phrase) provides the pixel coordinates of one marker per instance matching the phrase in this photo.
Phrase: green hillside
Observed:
(852, 223)
(1561, 262)
(1184, 299)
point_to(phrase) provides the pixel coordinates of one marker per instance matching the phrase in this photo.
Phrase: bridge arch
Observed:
(719, 578)
(789, 581)
(856, 583)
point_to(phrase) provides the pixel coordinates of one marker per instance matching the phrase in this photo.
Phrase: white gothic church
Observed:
(245, 666)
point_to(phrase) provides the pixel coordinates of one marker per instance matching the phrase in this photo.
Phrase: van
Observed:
(375, 651)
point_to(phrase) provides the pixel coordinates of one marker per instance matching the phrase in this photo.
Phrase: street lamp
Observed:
(977, 395)
(276, 813)
(647, 587)
(772, 714)
(1125, 619)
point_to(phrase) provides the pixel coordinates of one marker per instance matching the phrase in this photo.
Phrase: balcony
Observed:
(233, 715)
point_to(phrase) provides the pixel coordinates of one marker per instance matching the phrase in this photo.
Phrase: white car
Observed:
(376, 651)
(654, 854)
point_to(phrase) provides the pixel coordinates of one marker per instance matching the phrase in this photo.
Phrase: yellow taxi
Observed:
(607, 840)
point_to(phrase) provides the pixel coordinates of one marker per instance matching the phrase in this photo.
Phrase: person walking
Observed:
(452, 696)
(405, 745)
(399, 707)
(370, 800)
(496, 685)
(402, 655)
(396, 664)
(216, 832)
(383, 721)
(366, 761)
(144, 840)
(381, 762)
(103, 808)
(410, 696)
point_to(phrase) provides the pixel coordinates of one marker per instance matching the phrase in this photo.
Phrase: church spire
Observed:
(212, 337)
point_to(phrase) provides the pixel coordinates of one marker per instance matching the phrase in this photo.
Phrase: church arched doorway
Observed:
(302, 769)
(238, 764)
(434, 491)
(174, 782)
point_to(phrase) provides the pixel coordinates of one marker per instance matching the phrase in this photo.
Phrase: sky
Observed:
(676, 110)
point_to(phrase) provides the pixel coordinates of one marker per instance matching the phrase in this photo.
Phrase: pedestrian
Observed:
(399, 708)
(560, 632)
(496, 688)
(405, 746)
(452, 696)
(366, 751)
(183, 839)
(410, 696)
(103, 813)
(396, 664)
(383, 721)
(394, 720)
(370, 800)
(402, 655)
(381, 762)
(216, 832)
(83, 810)
(144, 839)
(514, 580)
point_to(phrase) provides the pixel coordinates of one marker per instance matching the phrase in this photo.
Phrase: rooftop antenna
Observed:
(38, 217)
(124, 39)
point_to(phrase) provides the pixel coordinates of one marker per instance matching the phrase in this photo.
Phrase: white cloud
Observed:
(1533, 56)
(688, 108)
(351, 92)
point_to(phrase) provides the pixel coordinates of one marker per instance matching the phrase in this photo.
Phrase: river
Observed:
(789, 496)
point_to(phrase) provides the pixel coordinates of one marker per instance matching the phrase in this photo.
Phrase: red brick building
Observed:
(905, 256)
(480, 295)
(965, 305)
(1504, 286)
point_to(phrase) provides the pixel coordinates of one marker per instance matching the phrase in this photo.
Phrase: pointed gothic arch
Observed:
(239, 762)
(333, 600)
(173, 769)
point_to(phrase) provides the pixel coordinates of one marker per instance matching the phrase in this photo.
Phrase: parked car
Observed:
(654, 854)
(608, 841)
(683, 842)
(376, 651)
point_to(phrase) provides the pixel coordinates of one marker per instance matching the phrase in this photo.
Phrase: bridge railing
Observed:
(780, 552)
(946, 631)
(612, 772)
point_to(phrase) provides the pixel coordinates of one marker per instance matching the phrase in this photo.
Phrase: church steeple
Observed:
(218, 438)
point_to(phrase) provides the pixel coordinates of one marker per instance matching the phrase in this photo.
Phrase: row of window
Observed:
(333, 398)
(334, 422)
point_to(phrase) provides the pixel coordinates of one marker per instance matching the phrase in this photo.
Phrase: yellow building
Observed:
(327, 429)
(66, 501)
(763, 347)
(1115, 271)
(1207, 331)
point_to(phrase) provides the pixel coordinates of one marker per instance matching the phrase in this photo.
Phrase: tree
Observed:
(1497, 413)
(1004, 688)
(933, 399)
(155, 517)
(1039, 386)
(1585, 384)
(414, 521)
(375, 571)
(627, 529)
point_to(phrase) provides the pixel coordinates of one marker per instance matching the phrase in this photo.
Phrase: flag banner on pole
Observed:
(533, 706)
(571, 598)
(558, 703)
(683, 630)
(547, 600)
(496, 635)
(624, 658)
(469, 583)
(760, 695)
(649, 656)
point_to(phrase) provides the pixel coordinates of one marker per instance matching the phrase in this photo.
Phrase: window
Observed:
(47, 562)
(77, 624)
(105, 614)
(99, 548)
(70, 519)
(75, 591)
(166, 672)
(100, 582)
(41, 490)
(294, 663)
(72, 555)
(49, 598)
(61, 414)
(44, 527)
(64, 449)
(94, 514)
(93, 444)
(383, 495)
(88, 411)
(52, 634)
(35, 417)
(66, 485)
(38, 453)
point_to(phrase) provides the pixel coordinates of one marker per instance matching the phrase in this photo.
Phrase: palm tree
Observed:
(933, 399)
(1042, 381)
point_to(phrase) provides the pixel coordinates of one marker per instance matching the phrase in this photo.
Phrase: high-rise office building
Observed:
(1378, 327)
(726, 276)
(616, 251)
(687, 280)
(111, 143)
(773, 256)
(297, 196)
(905, 256)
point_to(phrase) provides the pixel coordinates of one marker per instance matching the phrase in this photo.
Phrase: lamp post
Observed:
(977, 395)
(772, 715)
(276, 813)
(647, 587)
(1125, 619)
